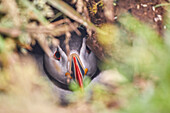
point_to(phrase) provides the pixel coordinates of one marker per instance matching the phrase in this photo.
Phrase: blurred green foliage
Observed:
(134, 49)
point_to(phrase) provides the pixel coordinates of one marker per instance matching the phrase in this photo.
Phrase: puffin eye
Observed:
(57, 55)
(88, 50)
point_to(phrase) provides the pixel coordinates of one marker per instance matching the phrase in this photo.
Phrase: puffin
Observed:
(72, 67)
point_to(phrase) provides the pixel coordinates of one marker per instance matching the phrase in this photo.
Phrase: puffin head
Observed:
(62, 69)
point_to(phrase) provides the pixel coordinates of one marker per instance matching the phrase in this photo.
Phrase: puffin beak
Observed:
(77, 70)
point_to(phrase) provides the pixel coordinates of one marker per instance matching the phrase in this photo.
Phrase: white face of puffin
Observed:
(81, 64)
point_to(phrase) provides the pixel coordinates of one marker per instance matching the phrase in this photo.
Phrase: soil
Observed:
(143, 10)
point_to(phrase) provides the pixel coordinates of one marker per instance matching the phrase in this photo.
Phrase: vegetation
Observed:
(136, 60)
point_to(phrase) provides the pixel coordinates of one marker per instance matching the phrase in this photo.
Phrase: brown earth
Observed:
(143, 10)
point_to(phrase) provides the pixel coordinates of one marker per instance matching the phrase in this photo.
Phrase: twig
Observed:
(70, 12)
(50, 30)
(41, 38)
(159, 5)
(108, 10)
(89, 31)
(10, 32)
(56, 23)
(68, 35)
(79, 6)
(73, 26)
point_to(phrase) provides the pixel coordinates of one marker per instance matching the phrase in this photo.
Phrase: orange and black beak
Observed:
(77, 70)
